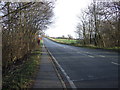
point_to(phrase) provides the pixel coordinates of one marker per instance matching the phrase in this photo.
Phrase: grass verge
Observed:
(74, 43)
(23, 75)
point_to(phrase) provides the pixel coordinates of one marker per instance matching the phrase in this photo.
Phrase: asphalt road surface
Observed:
(87, 68)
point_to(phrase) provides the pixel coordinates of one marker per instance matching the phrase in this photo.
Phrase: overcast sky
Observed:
(66, 12)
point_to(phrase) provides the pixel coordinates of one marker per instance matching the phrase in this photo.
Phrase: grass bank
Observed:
(64, 41)
(75, 43)
(22, 74)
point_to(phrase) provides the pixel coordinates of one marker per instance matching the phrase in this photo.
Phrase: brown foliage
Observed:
(20, 22)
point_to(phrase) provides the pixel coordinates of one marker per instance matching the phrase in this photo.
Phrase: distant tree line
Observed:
(64, 37)
(20, 22)
(100, 24)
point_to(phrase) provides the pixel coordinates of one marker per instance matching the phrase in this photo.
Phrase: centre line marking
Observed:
(115, 63)
(90, 56)
(101, 56)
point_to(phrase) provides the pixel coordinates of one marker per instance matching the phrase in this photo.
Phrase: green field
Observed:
(65, 41)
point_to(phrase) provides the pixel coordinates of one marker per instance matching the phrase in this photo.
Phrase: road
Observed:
(87, 68)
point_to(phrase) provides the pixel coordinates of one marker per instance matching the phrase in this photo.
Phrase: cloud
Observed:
(66, 12)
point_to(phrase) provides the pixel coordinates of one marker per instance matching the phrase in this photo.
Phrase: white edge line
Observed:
(64, 86)
(68, 78)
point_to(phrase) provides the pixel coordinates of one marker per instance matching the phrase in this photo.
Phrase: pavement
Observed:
(47, 76)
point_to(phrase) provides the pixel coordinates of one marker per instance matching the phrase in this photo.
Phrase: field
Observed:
(65, 41)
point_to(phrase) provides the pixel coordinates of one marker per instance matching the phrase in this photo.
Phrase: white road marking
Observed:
(101, 56)
(63, 71)
(115, 63)
(90, 56)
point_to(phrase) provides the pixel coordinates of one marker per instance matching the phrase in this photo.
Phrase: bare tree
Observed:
(69, 37)
(101, 24)
(20, 21)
